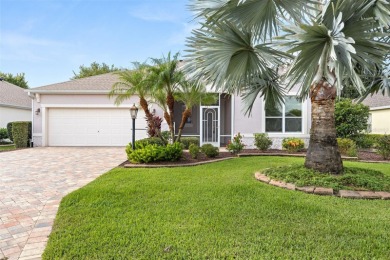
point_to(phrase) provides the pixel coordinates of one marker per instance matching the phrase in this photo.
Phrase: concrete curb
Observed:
(174, 165)
(349, 194)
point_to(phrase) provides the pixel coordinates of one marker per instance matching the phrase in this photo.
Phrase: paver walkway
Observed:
(32, 184)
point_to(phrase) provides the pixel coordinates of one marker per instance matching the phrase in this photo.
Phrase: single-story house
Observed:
(378, 121)
(15, 105)
(80, 113)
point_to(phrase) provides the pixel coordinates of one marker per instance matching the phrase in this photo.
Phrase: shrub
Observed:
(364, 141)
(20, 134)
(9, 129)
(384, 146)
(166, 135)
(194, 151)
(236, 145)
(292, 144)
(210, 151)
(148, 153)
(350, 118)
(187, 141)
(150, 140)
(347, 147)
(262, 142)
(172, 152)
(152, 131)
(3, 133)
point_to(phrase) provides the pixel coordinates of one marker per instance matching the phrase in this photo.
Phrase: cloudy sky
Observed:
(49, 39)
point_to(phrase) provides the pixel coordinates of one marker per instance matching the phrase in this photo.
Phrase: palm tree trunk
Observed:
(186, 114)
(171, 104)
(323, 154)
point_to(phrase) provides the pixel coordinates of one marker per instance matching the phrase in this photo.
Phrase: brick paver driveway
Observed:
(32, 183)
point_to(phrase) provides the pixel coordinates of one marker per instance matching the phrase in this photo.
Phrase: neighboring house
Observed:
(378, 120)
(80, 113)
(15, 105)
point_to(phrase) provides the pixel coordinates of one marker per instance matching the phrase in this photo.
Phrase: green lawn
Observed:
(215, 211)
(7, 147)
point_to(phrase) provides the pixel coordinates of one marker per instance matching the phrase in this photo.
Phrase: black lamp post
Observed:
(133, 113)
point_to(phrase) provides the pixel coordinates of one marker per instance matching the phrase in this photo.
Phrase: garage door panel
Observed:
(92, 127)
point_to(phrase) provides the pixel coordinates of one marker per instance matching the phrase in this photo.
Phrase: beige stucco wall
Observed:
(255, 123)
(45, 102)
(10, 114)
(380, 121)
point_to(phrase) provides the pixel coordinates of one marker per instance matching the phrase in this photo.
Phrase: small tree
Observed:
(17, 79)
(93, 70)
(351, 118)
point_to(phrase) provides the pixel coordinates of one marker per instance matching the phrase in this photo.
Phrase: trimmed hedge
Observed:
(9, 129)
(154, 153)
(20, 134)
(187, 141)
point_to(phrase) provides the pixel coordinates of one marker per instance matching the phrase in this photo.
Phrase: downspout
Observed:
(32, 96)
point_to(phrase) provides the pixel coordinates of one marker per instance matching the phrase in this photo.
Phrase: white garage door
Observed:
(93, 126)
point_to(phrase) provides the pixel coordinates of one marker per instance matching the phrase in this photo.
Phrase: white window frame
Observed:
(283, 117)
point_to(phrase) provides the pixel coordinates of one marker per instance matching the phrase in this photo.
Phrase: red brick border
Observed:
(349, 194)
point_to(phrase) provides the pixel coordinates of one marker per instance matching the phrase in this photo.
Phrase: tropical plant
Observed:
(165, 77)
(135, 82)
(328, 42)
(292, 144)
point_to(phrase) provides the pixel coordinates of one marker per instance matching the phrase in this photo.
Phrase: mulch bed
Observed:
(362, 155)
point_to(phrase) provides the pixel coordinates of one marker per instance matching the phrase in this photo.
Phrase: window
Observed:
(285, 118)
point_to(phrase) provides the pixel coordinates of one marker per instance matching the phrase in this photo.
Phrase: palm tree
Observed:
(166, 77)
(191, 93)
(134, 82)
(236, 50)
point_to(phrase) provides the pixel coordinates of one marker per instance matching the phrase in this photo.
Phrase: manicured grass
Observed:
(351, 179)
(7, 147)
(215, 211)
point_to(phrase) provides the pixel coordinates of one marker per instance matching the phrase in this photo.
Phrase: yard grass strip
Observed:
(215, 211)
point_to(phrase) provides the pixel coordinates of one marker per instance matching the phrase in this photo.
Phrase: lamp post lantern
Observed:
(133, 113)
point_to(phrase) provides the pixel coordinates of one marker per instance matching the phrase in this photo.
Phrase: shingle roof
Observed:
(102, 82)
(377, 100)
(14, 96)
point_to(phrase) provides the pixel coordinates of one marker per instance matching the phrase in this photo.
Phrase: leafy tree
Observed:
(93, 69)
(351, 118)
(323, 45)
(18, 79)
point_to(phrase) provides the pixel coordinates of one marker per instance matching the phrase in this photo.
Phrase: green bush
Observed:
(347, 147)
(364, 141)
(172, 152)
(384, 146)
(9, 129)
(236, 145)
(292, 144)
(3, 133)
(262, 141)
(20, 134)
(194, 151)
(187, 141)
(146, 153)
(210, 151)
(150, 140)
(350, 118)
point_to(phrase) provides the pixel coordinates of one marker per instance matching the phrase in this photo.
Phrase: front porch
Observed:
(211, 124)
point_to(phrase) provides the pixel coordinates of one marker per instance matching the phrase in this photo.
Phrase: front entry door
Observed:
(210, 125)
